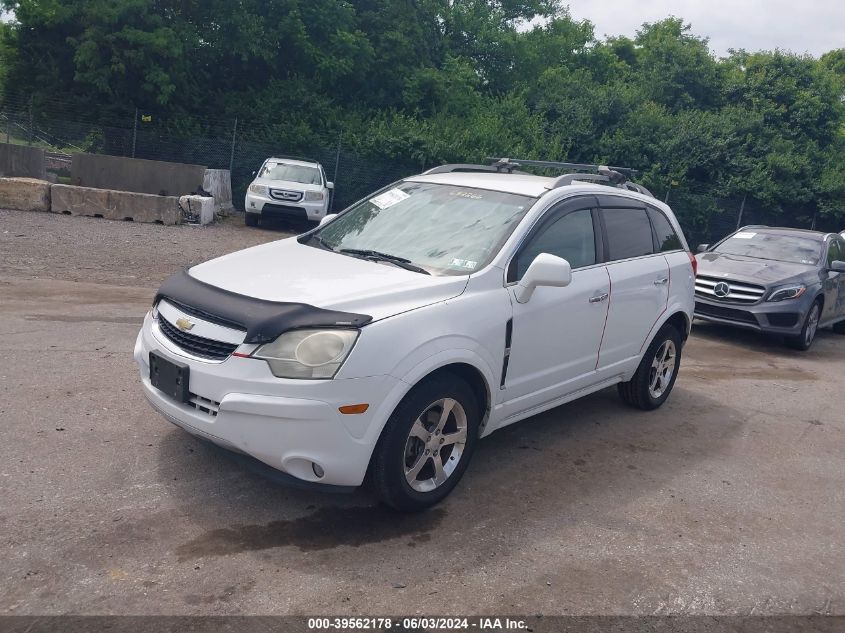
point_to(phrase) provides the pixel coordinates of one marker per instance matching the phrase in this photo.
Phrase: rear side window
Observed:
(628, 233)
(667, 239)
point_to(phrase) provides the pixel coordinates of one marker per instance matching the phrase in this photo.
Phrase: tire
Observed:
(252, 219)
(409, 442)
(804, 341)
(652, 383)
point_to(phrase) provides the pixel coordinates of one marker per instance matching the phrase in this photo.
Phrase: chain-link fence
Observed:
(241, 146)
(216, 144)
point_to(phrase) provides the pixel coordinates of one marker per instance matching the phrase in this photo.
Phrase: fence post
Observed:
(31, 126)
(8, 150)
(336, 166)
(134, 132)
(232, 154)
(741, 211)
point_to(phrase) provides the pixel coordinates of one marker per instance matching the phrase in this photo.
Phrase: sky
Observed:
(806, 26)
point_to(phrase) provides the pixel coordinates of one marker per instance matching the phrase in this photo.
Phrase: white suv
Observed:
(446, 306)
(288, 188)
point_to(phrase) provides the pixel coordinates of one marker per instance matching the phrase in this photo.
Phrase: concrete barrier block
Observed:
(22, 161)
(200, 208)
(115, 205)
(24, 194)
(218, 182)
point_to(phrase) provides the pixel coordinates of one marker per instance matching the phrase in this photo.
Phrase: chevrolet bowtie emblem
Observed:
(184, 325)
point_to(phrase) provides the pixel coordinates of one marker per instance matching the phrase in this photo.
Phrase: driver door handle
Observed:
(599, 298)
(661, 281)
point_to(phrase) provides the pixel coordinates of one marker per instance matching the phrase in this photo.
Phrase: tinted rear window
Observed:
(667, 239)
(628, 233)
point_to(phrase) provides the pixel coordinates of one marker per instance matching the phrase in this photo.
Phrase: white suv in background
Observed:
(446, 306)
(288, 188)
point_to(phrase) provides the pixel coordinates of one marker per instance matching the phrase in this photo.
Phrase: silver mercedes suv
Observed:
(776, 280)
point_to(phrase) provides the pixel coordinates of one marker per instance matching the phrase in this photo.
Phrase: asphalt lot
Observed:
(728, 500)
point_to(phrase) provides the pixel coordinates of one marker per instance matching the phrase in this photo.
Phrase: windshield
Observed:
(291, 173)
(781, 248)
(445, 229)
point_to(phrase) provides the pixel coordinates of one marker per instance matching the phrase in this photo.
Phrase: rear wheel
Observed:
(652, 383)
(252, 219)
(426, 444)
(804, 340)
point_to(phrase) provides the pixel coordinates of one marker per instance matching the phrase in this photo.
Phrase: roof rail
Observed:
(505, 167)
(519, 162)
(613, 176)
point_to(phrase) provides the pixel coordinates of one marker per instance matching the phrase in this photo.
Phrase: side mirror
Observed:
(837, 266)
(702, 248)
(545, 270)
(327, 218)
(329, 185)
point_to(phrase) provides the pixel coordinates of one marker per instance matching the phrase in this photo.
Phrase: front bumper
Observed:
(782, 317)
(287, 424)
(271, 208)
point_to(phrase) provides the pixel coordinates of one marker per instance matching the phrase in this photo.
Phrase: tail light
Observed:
(694, 262)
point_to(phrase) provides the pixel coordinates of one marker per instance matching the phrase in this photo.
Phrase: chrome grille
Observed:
(737, 291)
(286, 195)
(193, 344)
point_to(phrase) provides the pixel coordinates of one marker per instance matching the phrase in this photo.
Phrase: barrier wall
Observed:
(135, 175)
(115, 205)
(22, 161)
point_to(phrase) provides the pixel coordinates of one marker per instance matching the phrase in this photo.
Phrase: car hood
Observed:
(286, 184)
(287, 271)
(751, 269)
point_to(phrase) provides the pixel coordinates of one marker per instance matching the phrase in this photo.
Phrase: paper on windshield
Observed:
(389, 198)
(744, 235)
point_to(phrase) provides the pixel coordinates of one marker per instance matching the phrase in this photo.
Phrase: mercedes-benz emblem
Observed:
(721, 289)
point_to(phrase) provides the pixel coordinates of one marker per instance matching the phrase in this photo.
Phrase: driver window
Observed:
(834, 253)
(570, 237)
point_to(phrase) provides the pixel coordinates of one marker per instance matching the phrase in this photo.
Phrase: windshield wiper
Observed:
(377, 256)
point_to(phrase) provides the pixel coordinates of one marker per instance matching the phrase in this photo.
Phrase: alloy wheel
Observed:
(435, 445)
(662, 369)
(812, 324)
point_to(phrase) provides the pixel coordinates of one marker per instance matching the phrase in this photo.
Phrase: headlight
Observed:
(261, 190)
(313, 196)
(308, 353)
(789, 292)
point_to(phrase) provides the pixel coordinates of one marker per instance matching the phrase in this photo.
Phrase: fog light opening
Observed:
(318, 470)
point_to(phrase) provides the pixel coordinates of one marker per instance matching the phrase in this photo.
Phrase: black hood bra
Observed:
(263, 320)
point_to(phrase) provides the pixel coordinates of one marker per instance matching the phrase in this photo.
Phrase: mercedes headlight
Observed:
(787, 292)
(308, 353)
(261, 190)
(313, 196)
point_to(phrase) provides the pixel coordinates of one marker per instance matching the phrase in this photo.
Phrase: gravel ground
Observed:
(47, 246)
(728, 500)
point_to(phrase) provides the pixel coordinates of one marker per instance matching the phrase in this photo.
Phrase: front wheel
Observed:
(803, 341)
(652, 383)
(426, 444)
(252, 219)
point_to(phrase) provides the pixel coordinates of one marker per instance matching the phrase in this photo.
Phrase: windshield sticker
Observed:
(467, 194)
(389, 198)
(745, 235)
(464, 263)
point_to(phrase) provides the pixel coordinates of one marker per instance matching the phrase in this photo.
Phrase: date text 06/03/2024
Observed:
(430, 623)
